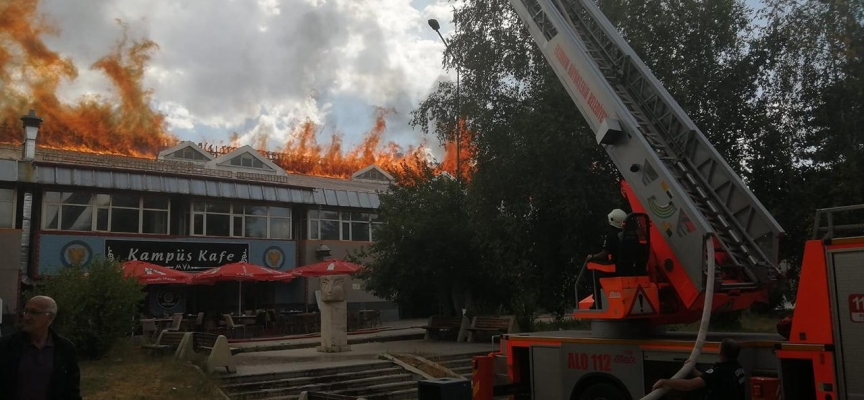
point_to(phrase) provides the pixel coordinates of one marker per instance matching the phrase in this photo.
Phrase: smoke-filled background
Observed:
(316, 78)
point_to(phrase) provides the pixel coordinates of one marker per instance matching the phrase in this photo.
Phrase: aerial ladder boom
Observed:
(688, 190)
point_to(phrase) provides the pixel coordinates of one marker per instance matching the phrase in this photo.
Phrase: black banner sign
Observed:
(184, 256)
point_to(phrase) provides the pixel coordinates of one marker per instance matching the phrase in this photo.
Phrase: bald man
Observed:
(36, 363)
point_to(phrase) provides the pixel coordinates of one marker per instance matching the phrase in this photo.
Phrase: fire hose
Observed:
(703, 326)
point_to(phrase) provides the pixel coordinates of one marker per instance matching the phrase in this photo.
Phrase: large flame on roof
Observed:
(30, 74)
(125, 124)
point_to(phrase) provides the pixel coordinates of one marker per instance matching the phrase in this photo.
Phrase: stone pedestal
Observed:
(334, 315)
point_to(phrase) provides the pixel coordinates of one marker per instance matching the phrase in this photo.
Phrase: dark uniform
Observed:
(724, 381)
(611, 243)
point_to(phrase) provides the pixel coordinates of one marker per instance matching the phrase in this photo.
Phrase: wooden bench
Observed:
(438, 323)
(210, 348)
(492, 325)
(168, 341)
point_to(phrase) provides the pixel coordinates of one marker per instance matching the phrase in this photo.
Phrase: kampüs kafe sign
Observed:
(184, 256)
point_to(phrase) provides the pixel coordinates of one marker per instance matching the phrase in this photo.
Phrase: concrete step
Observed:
(306, 380)
(379, 389)
(404, 394)
(328, 387)
(274, 376)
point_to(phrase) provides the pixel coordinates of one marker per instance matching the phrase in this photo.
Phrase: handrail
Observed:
(831, 228)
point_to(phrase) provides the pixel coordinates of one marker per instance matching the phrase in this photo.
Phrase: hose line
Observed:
(703, 326)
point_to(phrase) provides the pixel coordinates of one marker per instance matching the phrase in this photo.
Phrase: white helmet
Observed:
(617, 217)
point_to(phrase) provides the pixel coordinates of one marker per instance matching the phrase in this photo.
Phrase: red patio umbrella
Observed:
(240, 272)
(325, 268)
(152, 274)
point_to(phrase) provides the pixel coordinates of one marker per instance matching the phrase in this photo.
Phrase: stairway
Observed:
(373, 380)
(458, 363)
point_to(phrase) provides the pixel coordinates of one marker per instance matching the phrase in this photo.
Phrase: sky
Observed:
(263, 66)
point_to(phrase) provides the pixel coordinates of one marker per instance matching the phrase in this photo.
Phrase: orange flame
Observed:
(30, 75)
(466, 153)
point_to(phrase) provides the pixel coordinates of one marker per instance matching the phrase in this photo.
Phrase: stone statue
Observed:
(332, 288)
(334, 315)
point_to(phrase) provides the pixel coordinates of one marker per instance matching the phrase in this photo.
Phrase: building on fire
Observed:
(187, 209)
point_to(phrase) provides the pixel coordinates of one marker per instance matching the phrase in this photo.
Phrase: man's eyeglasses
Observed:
(35, 312)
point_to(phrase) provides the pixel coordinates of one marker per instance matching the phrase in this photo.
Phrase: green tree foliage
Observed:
(813, 83)
(699, 50)
(95, 305)
(539, 177)
(423, 257)
(779, 91)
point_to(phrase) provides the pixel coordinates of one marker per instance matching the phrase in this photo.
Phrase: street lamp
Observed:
(433, 23)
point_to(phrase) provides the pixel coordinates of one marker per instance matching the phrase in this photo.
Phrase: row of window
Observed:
(211, 218)
(342, 225)
(123, 213)
(151, 214)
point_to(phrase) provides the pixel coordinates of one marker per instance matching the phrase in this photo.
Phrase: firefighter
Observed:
(611, 239)
(724, 380)
(608, 253)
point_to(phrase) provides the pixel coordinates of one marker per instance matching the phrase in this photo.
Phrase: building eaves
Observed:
(59, 167)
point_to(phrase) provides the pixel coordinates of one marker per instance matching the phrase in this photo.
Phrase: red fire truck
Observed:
(697, 242)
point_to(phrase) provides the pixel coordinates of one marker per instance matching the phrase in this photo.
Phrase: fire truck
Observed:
(697, 242)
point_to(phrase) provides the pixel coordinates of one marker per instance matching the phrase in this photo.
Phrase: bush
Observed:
(95, 304)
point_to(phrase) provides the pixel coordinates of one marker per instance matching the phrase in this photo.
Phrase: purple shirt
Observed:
(34, 371)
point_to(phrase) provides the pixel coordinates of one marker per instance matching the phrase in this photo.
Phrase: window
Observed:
(7, 208)
(374, 175)
(246, 160)
(123, 213)
(188, 153)
(240, 220)
(349, 226)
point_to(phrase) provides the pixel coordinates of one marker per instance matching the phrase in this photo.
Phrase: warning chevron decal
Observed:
(641, 304)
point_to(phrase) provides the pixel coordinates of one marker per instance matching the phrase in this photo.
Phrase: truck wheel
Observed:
(603, 391)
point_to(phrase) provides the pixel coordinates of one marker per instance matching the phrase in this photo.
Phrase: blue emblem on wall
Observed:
(274, 257)
(76, 253)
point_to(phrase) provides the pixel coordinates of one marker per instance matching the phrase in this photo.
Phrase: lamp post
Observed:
(433, 23)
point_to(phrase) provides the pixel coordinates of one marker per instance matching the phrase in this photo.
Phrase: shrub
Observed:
(96, 305)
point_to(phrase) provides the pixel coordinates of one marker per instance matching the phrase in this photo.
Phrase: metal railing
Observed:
(847, 221)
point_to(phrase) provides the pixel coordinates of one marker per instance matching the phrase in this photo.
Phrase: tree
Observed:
(700, 51)
(542, 186)
(813, 88)
(95, 303)
(423, 257)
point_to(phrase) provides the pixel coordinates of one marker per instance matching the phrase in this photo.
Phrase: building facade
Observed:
(186, 209)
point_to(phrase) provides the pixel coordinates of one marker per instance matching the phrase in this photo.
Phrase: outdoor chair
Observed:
(231, 326)
(210, 326)
(175, 324)
(148, 329)
(199, 323)
(280, 323)
(374, 319)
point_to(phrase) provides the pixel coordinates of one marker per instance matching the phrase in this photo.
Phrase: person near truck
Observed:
(35, 362)
(725, 380)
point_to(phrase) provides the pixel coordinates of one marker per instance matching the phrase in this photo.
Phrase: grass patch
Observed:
(567, 323)
(129, 373)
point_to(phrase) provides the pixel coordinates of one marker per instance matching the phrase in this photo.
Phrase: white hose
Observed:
(703, 327)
